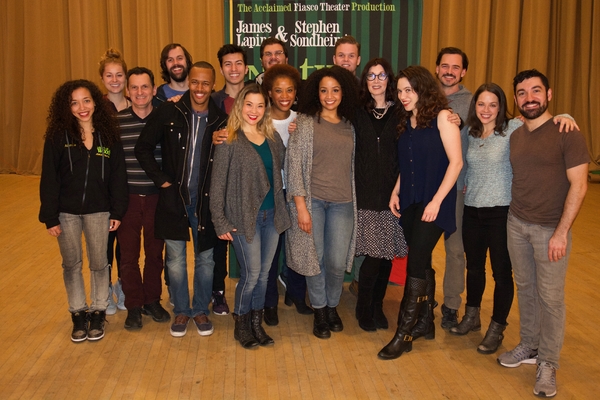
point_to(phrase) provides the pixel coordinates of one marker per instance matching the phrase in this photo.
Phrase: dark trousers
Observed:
(220, 259)
(421, 238)
(113, 253)
(140, 218)
(485, 228)
(376, 273)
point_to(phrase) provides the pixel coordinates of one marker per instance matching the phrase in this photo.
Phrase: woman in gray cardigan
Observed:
(321, 194)
(248, 207)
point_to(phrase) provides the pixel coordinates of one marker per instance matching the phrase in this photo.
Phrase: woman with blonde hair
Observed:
(113, 72)
(248, 207)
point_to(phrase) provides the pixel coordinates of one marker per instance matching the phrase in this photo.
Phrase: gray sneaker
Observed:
(517, 356)
(545, 382)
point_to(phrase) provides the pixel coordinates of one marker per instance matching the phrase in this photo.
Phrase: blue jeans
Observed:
(178, 277)
(540, 287)
(332, 225)
(255, 261)
(95, 231)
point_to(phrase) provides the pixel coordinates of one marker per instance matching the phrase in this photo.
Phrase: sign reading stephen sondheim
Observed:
(390, 29)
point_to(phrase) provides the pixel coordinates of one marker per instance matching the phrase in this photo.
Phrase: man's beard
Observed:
(181, 78)
(535, 113)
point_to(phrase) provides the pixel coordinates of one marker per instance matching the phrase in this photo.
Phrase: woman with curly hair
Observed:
(429, 159)
(380, 238)
(248, 206)
(83, 190)
(320, 192)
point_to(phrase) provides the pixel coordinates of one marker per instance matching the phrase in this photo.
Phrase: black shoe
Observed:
(379, 317)
(320, 327)
(365, 318)
(333, 320)
(134, 318)
(96, 331)
(271, 317)
(257, 329)
(80, 326)
(449, 317)
(243, 331)
(301, 306)
(157, 312)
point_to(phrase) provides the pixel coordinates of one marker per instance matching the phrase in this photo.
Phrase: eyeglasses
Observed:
(382, 76)
(277, 54)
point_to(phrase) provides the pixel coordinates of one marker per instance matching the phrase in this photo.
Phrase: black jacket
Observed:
(79, 181)
(170, 126)
(376, 161)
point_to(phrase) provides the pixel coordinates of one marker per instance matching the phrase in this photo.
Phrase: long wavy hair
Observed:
(236, 121)
(61, 120)
(309, 97)
(431, 98)
(475, 125)
(390, 91)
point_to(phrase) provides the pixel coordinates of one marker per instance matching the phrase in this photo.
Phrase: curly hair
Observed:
(431, 98)
(164, 54)
(475, 125)
(61, 119)
(112, 56)
(281, 71)
(390, 91)
(235, 122)
(309, 98)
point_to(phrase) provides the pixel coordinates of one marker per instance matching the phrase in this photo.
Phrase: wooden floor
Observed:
(39, 361)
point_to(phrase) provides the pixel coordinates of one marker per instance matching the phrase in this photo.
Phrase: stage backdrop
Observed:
(390, 29)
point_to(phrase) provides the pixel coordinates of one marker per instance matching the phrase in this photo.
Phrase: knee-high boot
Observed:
(414, 296)
(425, 326)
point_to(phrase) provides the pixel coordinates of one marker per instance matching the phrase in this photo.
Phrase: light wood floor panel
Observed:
(38, 360)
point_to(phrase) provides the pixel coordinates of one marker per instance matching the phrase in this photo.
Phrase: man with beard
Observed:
(184, 130)
(175, 62)
(451, 66)
(272, 52)
(549, 184)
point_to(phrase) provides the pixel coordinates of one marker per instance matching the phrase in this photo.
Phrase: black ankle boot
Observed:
(271, 317)
(379, 317)
(243, 331)
(301, 306)
(425, 326)
(320, 327)
(257, 329)
(414, 297)
(333, 319)
(365, 318)
(493, 338)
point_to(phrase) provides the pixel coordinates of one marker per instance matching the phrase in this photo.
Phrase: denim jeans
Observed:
(485, 228)
(140, 218)
(95, 231)
(540, 287)
(332, 225)
(255, 261)
(178, 277)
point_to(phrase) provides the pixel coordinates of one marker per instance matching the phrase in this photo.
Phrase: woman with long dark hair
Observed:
(379, 236)
(320, 192)
(83, 190)
(424, 197)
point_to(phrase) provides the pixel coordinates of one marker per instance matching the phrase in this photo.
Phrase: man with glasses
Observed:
(272, 52)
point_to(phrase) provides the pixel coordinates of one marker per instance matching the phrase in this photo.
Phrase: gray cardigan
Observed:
(300, 246)
(239, 185)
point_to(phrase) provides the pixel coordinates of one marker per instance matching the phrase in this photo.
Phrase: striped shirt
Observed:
(131, 126)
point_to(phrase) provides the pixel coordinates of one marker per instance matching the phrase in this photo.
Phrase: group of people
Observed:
(316, 173)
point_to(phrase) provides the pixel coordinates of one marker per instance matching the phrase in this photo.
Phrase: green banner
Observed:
(390, 29)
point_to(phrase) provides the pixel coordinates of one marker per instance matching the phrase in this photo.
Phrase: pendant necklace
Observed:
(379, 114)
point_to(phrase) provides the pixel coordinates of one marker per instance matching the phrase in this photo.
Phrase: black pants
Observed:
(485, 228)
(220, 270)
(421, 238)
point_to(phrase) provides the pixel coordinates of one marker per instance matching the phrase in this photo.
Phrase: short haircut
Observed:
(141, 71)
(347, 39)
(272, 40)
(278, 71)
(231, 49)
(206, 65)
(528, 74)
(112, 56)
(453, 50)
(164, 54)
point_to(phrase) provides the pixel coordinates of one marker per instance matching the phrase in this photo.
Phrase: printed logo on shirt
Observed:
(103, 151)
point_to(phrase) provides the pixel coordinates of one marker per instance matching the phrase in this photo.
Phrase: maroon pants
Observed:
(140, 214)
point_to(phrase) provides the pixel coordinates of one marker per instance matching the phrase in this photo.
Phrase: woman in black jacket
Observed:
(83, 189)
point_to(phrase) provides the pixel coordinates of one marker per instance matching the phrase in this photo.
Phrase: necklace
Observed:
(380, 114)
